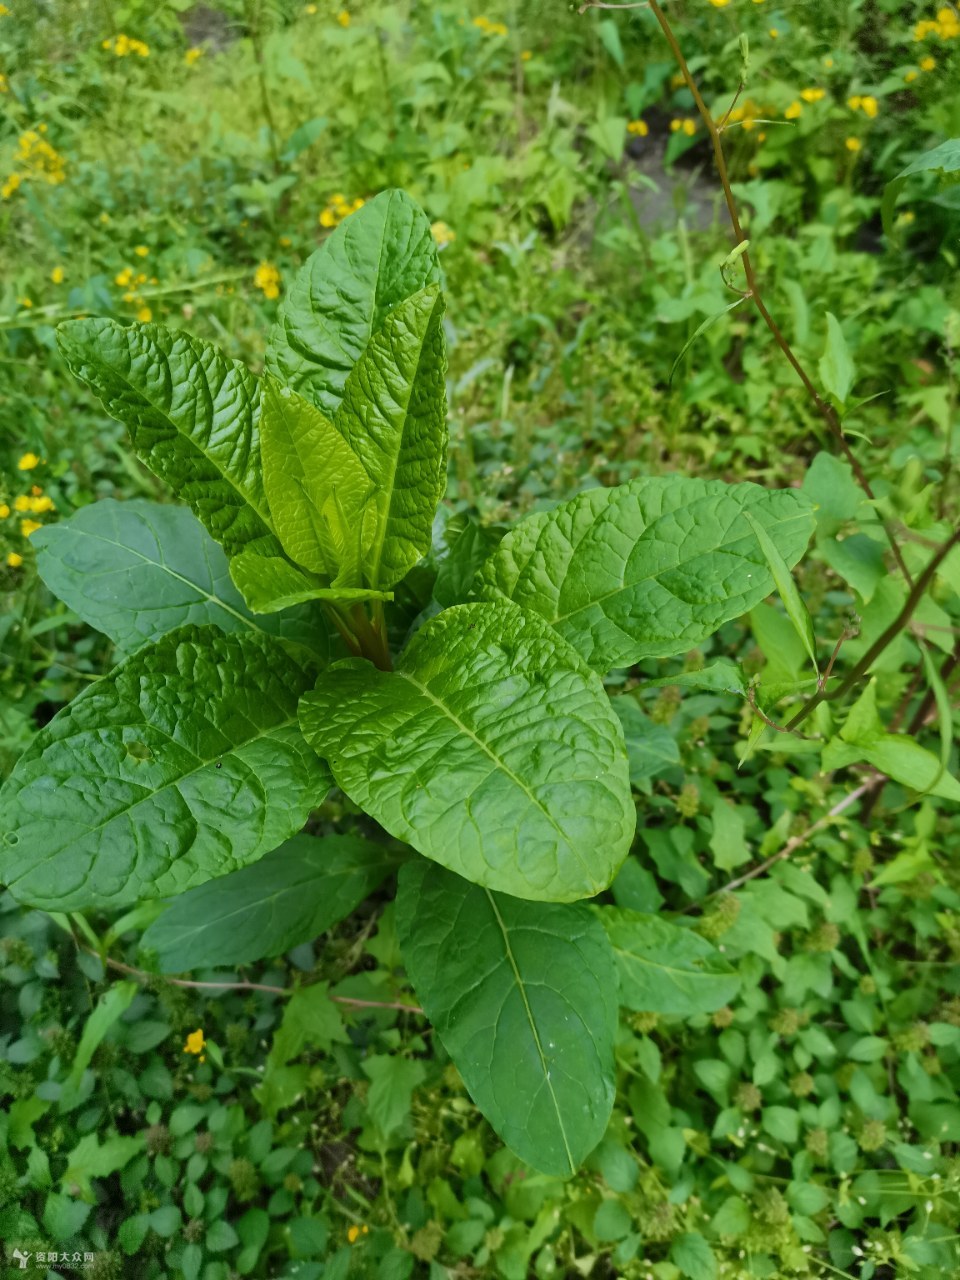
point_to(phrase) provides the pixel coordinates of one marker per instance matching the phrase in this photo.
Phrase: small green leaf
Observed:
(271, 583)
(111, 1006)
(665, 968)
(212, 722)
(92, 1158)
(943, 159)
(693, 1256)
(63, 1216)
(373, 261)
(392, 1082)
(836, 365)
(702, 329)
(523, 996)
(292, 895)
(491, 748)
(797, 611)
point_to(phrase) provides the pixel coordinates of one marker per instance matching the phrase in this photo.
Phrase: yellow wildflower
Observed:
(828, 61)
(310, 9)
(37, 158)
(758, 1)
(10, 186)
(689, 127)
(675, 125)
(21, 503)
(927, 64)
(267, 278)
(870, 106)
(719, 4)
(195, 1042)
(4, 511)
(28, 462)
(525, 55)
(773, 33)
(144, 315)
(343, 18)
(25, 302)
(4, 11)
(39, 505)
(124, 277)
(906, 218)
(29, 526)
(812, 95)
(284, 242)
(35, 490)
(793, 111)
(853, 144)
(639, 128)
(57, 275)
(854, 102)
(442, 233)
(328, 218)
(911, 76)
(193, 55)
(141, 250)
(4, 85)
(353, 1234)
(14, 560)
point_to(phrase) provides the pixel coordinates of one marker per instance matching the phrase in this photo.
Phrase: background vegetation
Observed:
(179, 161)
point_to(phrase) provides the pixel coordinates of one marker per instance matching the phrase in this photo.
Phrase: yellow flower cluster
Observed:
(866, 103)
(639, 128)
(946, 25)
(267, 278)
(4, 11)
(28, 462)
(689, 127)
(26, 505)
(793, 111)
(193, 56)
(130, 281)
(4, 83)
(36, 159)
(441, 233)
(927, 64)
(354, 1233)
(338, 209)
(490, 28)
(123, 46)
(745, 113)
(813, 95)
(343, 18)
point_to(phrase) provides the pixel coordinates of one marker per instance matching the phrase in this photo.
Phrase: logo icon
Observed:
(22, 1258)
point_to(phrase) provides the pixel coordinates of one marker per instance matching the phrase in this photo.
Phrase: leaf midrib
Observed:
(518, 782)
(533, 1028)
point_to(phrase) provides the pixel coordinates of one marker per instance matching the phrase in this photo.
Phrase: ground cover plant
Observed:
(539, 864)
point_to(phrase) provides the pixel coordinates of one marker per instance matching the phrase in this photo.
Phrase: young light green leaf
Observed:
(665, 968)
(392, 1082)
(797, 611)
(183, 764)
(836, 365)
(491, 749)
(523, 997)
(944, 709)
(137, 570)
(722, 676)
(271, 583)
(192, 417)
(374, 260)
(394, 418)
(319, 491)
(111, 1006)
(648, 569)
(291, 895)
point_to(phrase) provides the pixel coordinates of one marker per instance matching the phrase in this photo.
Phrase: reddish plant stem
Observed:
(824, 408)
(143, 976)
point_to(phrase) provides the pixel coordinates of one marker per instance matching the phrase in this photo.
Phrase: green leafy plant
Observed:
(488, 744)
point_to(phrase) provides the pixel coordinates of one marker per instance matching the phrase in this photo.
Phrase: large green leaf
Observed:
(650, 568)
(491, 748)
(524, 997)
(319, 491)
(376, 259)
(137, 570)
(394, 417)
(192, 417)
(183, 764)
(665, 968)
(290, 896)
